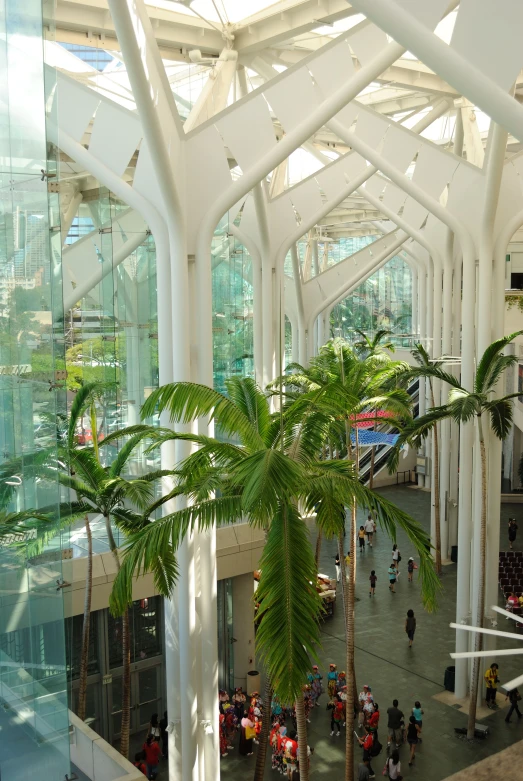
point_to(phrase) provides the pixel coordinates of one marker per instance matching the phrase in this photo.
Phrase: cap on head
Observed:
(314, 666)
(411, 559)
(365, 685)
(332, 664)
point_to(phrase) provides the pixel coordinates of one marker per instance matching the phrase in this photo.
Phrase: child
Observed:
(361, 537)
(392, 577)
(417, 712)
(373, 580)
(336, 719)
(410, 569)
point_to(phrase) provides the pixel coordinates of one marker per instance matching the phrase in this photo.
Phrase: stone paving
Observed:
(385, 662)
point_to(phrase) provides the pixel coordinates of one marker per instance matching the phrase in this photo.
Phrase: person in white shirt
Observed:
(369, 530)
(394, 766)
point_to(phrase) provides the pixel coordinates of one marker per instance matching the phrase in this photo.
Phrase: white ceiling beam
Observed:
(171, 29)
(288, 21)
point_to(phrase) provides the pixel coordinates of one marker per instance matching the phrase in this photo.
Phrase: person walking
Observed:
(395, 725)
(491, 680)
(418, 712)
(369, 530)
(392, 578)
(373, 580)
(154, 727)
(396, 558)
(366, 742)
(374, 720)
(410, 626)
(332, 680)
(514, 697)
(152, 751)
(412, 737)
(336, 719)
(247, 734)
(512, 531)
(393, 766)
(338, 568)
(361, 538)
(363, 770)
(314, 678)
(411, 566)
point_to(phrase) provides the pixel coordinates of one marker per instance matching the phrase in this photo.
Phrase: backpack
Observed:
(376, 748)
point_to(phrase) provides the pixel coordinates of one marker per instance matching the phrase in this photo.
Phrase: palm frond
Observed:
(187, 401)
(288, 632)
(501, 414)
(250, 400)
(482, 380)
(128, 449)
(149, 548)
(266, 477)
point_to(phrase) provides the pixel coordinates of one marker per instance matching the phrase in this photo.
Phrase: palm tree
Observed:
(98, 489)
(422, 358)
(365, 349)
(268, 470)
(463, 406)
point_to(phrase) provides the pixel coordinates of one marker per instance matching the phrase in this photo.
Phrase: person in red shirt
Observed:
(139, 762)
(153, 753)
(374, 721)
(366, 742)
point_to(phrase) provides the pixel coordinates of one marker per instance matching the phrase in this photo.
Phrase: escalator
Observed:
(382, 451)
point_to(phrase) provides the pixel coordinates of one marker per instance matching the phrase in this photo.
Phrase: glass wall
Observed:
(383, 301)
(34, 720)
(232, 296)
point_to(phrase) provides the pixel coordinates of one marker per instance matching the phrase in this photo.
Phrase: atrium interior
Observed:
(261, 341)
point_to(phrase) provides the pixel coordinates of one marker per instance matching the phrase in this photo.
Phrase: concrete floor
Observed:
(385, 662)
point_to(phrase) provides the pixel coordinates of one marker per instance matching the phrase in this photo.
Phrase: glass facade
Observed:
(383, 301)
(34, 719)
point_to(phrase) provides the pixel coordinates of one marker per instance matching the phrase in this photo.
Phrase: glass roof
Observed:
(221, 11)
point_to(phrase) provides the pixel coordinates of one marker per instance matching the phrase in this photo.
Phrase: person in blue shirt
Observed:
(332, 681)
(417, 712)
(314, 679)
(392, 577)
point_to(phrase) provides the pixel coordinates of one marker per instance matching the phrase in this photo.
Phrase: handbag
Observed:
(399, 557)
(385, 771)
(250, 732)
(375, 749)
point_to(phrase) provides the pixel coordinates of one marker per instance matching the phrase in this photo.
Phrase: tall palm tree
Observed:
(463, 405)
(423, 360)
(367, 348)
(268, 470)
(95, 489)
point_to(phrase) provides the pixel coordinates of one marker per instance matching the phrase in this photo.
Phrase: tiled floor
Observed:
(385, 662)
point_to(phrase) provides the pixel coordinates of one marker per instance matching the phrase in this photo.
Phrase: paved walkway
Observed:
(385, 662)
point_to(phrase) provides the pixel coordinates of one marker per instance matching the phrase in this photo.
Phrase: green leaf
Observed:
(288, 630)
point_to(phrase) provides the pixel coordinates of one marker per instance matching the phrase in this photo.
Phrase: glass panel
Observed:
(73, 634)
(148, 685)
(34, 721)
(383, 301)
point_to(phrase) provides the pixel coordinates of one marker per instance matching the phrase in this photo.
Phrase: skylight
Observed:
(225, 11)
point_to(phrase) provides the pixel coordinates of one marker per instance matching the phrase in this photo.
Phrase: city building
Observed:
(203, 190)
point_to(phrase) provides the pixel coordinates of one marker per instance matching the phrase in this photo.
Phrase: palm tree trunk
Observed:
(84, 656)
(478, 637)
(349, 618)
(126, 656)
(318, 549)
(302, 739)
(437, 517)
(261, 756)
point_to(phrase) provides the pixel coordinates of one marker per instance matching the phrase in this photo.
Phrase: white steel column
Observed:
(133, 30)
(66, 220)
